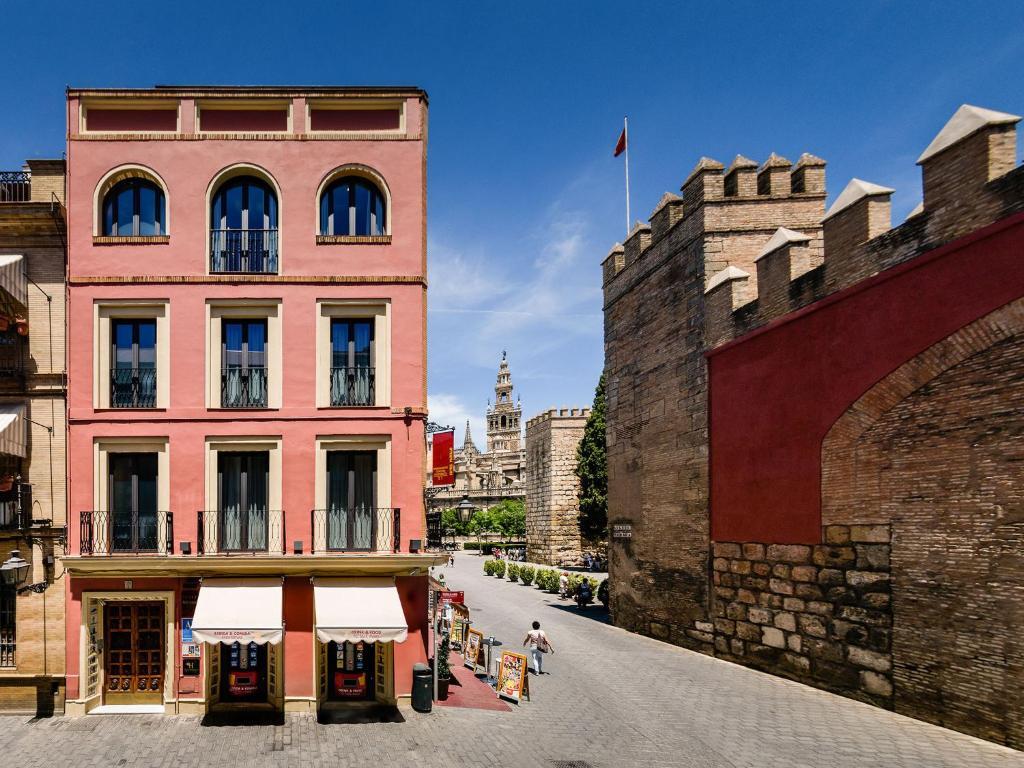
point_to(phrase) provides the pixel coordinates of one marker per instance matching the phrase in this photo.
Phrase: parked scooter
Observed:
(584, 594)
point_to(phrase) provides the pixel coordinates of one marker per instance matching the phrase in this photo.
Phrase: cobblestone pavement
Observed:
(611, 699)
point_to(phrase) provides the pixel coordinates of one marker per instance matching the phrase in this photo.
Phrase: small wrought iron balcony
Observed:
(132, 387)
(15, 186)
(243, 387)
(359, 529)
(16, 506)
(240, 531)
(127, 533)
(352, 386)
(251, 251)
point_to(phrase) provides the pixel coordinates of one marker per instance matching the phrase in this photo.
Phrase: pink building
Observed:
(246, 401)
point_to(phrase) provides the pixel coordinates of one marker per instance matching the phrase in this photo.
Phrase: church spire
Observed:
(467, 441)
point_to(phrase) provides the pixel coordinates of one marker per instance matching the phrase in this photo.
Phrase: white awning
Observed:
(239, 611)
(13, 432)
(13, 278)
(366, 609)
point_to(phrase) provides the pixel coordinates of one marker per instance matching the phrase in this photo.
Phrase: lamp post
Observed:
(465, 510)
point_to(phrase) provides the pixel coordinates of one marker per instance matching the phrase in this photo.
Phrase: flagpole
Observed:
(625, 131)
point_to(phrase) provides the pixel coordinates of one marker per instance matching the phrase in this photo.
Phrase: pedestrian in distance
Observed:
(451, 561)
(539, 645)
(563, 585)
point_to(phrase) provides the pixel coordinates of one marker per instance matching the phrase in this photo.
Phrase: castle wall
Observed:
(861, 405)
(552, 488)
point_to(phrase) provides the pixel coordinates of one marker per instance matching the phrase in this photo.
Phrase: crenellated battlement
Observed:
(555, 414)
(968, 179)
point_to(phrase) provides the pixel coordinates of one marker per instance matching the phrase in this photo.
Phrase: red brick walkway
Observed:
(467, 690)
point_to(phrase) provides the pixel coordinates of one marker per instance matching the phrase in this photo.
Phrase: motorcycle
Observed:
(584, 595)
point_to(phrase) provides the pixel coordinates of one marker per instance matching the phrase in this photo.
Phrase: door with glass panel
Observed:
(133, 502)
(352, 500)
(242, 482)
(244, 364)
(133, 364)
(352, 372)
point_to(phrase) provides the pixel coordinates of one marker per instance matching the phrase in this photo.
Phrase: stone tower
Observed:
(503, 430)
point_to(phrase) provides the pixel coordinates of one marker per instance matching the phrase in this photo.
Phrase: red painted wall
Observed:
(775, 393)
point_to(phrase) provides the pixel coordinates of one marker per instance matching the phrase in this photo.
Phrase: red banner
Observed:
(451, 597)
(444, 459)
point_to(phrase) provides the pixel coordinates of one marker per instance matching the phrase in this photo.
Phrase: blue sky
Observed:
(526, 102)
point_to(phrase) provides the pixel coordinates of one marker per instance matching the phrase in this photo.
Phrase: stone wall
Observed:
(552, 488)
(821, 615)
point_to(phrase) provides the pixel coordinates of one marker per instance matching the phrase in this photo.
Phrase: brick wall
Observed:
(821, 615)
(552, 488)
(943, 467)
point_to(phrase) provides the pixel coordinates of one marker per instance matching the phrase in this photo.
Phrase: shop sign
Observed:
(622, 531)
(474, 638)
(513, 681)
(190, 667)
(191, 650)
(186, 630)
(451, 597)
(443, 459)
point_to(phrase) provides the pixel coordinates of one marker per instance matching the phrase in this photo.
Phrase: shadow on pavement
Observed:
(358, 715)
(592, 612)
(232, 719)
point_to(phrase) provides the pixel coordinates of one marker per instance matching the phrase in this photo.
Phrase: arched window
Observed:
(352, 205)
(136, 207)
(243, 226)
(502, 422)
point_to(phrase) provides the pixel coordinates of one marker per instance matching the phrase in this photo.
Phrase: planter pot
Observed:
(22, 325)
(442, 688)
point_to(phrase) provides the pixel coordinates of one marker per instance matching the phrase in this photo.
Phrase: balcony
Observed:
(245, 251)
(127, 533)
(132, 387)
(243, 387)
(240, 531)
(15, 186)
(362, 529)
(352, 386)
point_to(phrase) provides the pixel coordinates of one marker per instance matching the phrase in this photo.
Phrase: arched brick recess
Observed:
(935, 451)
(847, 486)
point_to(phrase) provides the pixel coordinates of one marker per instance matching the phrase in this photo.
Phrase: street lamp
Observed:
(14, 570)
(465, 510)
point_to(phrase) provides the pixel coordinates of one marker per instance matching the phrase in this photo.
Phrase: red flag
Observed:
(620, 145)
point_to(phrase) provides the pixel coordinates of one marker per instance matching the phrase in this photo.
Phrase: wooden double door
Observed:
(134, 658)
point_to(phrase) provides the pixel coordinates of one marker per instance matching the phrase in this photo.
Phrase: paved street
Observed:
(612, 699)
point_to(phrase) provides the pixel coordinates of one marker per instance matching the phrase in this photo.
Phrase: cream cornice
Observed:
(265, 565)
(246, 279)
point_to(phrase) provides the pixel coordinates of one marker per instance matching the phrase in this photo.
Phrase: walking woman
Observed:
(539, 645)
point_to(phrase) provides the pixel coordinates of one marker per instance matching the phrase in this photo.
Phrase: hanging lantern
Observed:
(21, 323)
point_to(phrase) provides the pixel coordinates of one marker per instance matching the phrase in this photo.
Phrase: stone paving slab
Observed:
(611, 699)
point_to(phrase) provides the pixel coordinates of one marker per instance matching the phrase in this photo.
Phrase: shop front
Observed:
(358, 621)
(239, 622)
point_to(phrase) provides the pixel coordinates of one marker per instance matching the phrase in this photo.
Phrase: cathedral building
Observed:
(498, 473)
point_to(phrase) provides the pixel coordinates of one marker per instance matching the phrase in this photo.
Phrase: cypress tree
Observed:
(592, 470)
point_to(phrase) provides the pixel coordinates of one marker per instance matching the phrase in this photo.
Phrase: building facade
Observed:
(247, 397)
(499, 473)
(32, 435)
(552, 487)
(821, 483)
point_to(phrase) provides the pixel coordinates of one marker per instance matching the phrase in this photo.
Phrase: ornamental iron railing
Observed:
(352, 386)
(237, 530)
(357, 529)
(132, 387)
(15, 186)
(129, 532)
(252, 251)
(243, 387)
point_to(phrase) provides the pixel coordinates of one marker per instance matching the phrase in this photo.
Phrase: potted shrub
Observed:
(512, 571)
(499, 568)
(526, 574)
(444, 668)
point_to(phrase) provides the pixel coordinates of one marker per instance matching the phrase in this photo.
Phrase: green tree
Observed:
(592, 470)
(509, 517)
(450, 519)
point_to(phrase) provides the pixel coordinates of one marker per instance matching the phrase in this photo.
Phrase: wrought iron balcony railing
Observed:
(352, 386)
(16, 507)
(359, 529)
(105, 532)
(15, 186)
(243, 387)
(252, 251)
(235, 530)
(132, 387)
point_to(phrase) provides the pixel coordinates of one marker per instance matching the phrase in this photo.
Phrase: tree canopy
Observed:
(507, 517)
(592, 470)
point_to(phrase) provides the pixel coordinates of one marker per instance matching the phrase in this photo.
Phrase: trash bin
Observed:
(422, 688)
